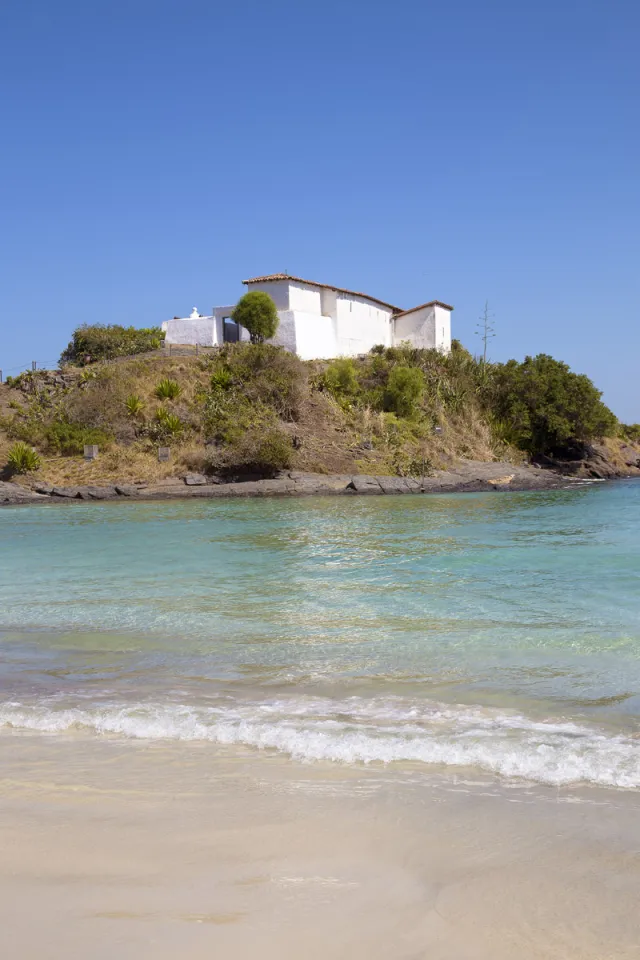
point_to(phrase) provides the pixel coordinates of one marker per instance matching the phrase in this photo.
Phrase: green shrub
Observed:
(259, 452)
(92, 342)
(134, 405)
(221, 379)
(257, 313)
(630, 432)
(543, 407)
(70, 439)
(404, 390)
(168, 389)
(22, 458)
(340, 378)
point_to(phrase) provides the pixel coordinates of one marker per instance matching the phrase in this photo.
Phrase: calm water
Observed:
(497, 632)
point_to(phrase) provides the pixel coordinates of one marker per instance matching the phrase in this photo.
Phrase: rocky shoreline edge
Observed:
(468, 477)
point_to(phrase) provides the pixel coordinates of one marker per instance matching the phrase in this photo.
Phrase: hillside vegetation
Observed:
(249, 410)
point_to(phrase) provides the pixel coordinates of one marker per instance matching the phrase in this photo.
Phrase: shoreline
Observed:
(466, 477)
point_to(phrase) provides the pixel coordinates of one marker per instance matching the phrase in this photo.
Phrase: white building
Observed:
(318, 321)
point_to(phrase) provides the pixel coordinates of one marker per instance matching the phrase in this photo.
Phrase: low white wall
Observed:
(192, 330)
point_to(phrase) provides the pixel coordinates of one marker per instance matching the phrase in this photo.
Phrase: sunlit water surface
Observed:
(499, 632)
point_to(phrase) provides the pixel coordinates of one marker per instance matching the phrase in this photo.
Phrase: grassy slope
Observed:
(259, 394)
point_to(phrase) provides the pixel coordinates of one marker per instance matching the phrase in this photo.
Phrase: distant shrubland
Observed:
(254, 409)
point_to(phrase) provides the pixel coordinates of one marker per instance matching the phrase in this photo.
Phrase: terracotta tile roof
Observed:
(325, 286)
(431, 303)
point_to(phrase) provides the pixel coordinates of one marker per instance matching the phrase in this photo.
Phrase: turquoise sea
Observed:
(494, 633)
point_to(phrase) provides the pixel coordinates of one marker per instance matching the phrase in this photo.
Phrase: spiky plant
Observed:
(168, 389)
(134, 405)
(22, 458)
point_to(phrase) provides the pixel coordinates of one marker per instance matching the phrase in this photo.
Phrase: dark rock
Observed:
(70, 493)
(366, 445)
(13, 493)
(126, 489)
(365, 484)
(195, 480)
(101, 493)
(393, 484)
(45, 488)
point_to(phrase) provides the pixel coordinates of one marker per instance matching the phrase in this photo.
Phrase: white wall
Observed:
(442, 322)
(286, 332)
(428, 328)
(200, 330)
(278, 290)
(328, 303)
(304, 297)
(417, 327)
(315, 336)
(361, 325)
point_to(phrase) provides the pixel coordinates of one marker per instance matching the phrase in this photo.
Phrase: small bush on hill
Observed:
(404, 390)
(22, 458)
(168, 389)
(259, 453)
(341, 380)
(257, 313)
(221, 380)
(69, 439)
(92, 342)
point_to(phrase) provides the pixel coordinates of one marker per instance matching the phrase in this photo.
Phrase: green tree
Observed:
(257, 313)
(543, 407)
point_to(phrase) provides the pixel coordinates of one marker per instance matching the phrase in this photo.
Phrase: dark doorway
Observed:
(230, 330)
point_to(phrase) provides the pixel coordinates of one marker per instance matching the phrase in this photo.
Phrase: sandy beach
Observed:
(121, 849)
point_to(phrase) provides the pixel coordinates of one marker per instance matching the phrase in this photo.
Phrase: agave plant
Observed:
(134, 405)
(168, 389)
(23, 458)
(171, 424)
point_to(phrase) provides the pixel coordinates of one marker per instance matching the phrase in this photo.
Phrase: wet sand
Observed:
(122, 849)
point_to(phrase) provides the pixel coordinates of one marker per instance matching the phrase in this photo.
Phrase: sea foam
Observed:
(360, 730)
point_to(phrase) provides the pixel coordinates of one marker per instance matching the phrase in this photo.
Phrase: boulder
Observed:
(69, 493)
(13, 493)
(126, 490)
(393, 484)
(364, 484)
(195, 480)
(45, 488)
(101, 493)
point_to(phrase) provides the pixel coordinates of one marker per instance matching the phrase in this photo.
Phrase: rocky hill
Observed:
(253, 411)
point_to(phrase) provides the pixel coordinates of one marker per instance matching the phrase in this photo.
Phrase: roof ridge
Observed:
(325, 286)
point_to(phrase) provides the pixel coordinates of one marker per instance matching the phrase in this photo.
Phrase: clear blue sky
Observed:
(157, 152)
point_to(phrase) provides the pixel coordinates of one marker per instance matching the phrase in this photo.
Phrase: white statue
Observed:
(194, 314)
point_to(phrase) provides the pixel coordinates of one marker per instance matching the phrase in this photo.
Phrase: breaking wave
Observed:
(357, 730)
